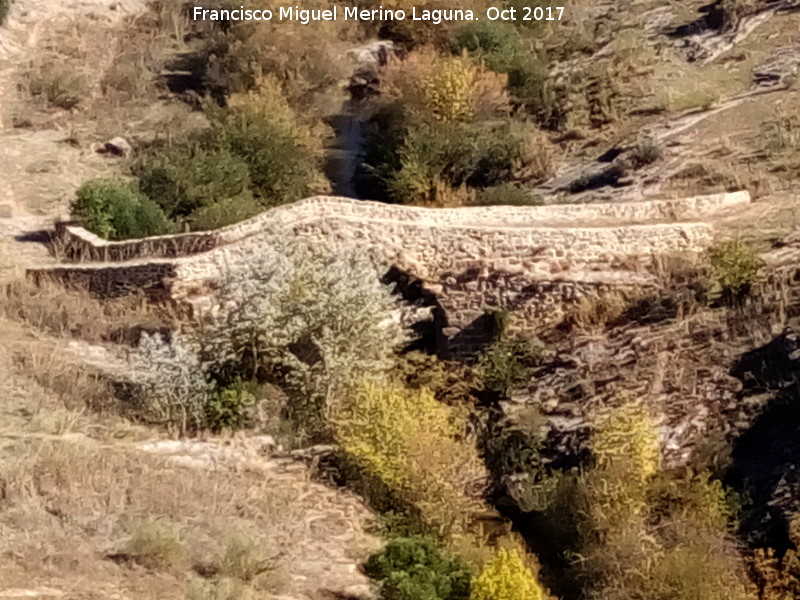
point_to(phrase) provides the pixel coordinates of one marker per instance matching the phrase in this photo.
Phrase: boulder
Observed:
(118, 146)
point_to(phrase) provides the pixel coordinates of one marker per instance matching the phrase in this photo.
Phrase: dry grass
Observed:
(75, 313)
(87, 515)
(678, 88)
(72, 385)
(593, 315)
(698, 177)
(100, 515)
(59, 86)
(155, 546)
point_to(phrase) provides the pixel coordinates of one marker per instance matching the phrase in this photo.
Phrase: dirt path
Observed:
(40, 167)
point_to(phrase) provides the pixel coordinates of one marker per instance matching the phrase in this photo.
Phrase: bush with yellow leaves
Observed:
(415, 446)
(647, 534)
(447, 88)
(267, 99)
(627, 453)
(506, 577)
(778, 577)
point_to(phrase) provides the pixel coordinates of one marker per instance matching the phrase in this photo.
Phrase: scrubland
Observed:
(295, 447)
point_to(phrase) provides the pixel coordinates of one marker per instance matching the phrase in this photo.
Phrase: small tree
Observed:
(190, 176)
(281, 168)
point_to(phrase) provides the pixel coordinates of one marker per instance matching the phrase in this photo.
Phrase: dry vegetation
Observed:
(111, 520)
(466, 116)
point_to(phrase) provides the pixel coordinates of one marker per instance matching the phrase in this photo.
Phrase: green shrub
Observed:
(227, 407)
(646, 151)
(416, 568)
(532, 88)
(507, 363)
(226, 211)
(506, 578)
(281, 169)
(735, 267)
(242, 559)
(256, 154)
(92, 205)
(455, 153)
(385, 132)
(187, 177)
(408, 158)
(513, 454)
(451, 382)
(484, 39)
(113, 210)
(501, 47)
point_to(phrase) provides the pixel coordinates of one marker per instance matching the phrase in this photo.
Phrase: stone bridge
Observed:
(538, 261)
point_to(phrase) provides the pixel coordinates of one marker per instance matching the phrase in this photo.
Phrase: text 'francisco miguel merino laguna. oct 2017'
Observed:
(307, 16)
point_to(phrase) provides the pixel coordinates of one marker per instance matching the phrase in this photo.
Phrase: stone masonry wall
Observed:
(77, 244)
(533, 260)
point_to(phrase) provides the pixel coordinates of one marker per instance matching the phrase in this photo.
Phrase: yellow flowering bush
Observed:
(628, 432)
(449, 88)
(412, 443)
(506, 577)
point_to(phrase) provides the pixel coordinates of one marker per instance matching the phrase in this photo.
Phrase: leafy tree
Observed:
(281, 170)
(226, 407)
(458, 154)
